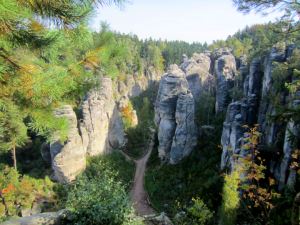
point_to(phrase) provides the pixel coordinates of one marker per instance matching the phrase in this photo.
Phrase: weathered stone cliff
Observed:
(68, 158)
(197, 70)
(174, 116)
(225, 73)
(257, 107)
(100, 128)
(97, 112)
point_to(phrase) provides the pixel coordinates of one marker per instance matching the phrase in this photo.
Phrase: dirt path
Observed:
(138, 193)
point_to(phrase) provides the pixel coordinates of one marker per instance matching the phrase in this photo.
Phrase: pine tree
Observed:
(13, 131)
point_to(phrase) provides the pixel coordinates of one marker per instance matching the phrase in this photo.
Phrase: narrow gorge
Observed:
(101, 127)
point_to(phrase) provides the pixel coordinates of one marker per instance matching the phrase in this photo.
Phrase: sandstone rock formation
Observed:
(97, 112)
(174, 116)
(256, 108)
(49, 218)
(232, 134)
(68, 158)
(197, 74)
(100, 128)
(225, 72)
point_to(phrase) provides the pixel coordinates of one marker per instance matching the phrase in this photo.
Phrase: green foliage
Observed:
(197, 214)
(21, 192)
(138, 137)
(172, 51)
(49, 64)
(258, 190)
(286, 79)
(197, 176)
(13, 132)
(230, 199)
(205, 109)
(114, 163)
(98, 196)
(128, 116)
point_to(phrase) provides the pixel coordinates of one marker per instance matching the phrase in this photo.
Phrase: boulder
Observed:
(116, 134)
(158, 219)
(68, 158)
(50, 218)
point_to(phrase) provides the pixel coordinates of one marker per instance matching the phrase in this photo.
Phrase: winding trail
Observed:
(138, 193)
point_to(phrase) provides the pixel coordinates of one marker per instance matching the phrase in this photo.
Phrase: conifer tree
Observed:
(13, 131)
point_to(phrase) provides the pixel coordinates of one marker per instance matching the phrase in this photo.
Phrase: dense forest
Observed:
(49, 58)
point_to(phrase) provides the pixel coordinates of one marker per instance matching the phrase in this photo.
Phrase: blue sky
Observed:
(188, 20)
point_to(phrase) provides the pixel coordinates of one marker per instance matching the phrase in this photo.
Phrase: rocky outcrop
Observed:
(68, 157)
(270, 135)
(257, 107)
(184, 139)
(99, 129)
(97, 112)
(197, 74)
(134, 85)
(225, 73)
(174, 116)
(233, 133)
(50, 218)
(287, 171)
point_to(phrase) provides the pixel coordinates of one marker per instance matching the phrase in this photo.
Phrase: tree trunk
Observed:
(296, 210)
(14, 157)
(4, 203)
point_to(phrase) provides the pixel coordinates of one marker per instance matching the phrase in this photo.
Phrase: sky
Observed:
(186, 20)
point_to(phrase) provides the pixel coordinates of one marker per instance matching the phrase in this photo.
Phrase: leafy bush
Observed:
(20, 192)
(195, 176)
(114, 164)
(100, 200)
(127, 116)
(99, 195)
(231, 199)
(138, 136)
(197, 214)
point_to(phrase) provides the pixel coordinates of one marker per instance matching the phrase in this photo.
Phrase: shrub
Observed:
(139, 135)
(20, 192)
(113, 164)
(128, 116)
(197, 214)
(99, 196)
(231, 199)
(98, 201)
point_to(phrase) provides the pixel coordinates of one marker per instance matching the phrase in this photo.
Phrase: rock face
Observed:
(255, 108)
(50, 218)
(233, 133)
(197, 74)
(97, 112)
(68, 158)
(100, 128)
(174, 116)
(225, 72)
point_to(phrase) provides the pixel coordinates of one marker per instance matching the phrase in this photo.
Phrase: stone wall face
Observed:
(174, 116)
(100, 130)
(257, 107)
(68, 158)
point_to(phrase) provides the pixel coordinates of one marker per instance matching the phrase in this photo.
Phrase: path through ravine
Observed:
(138, 193)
